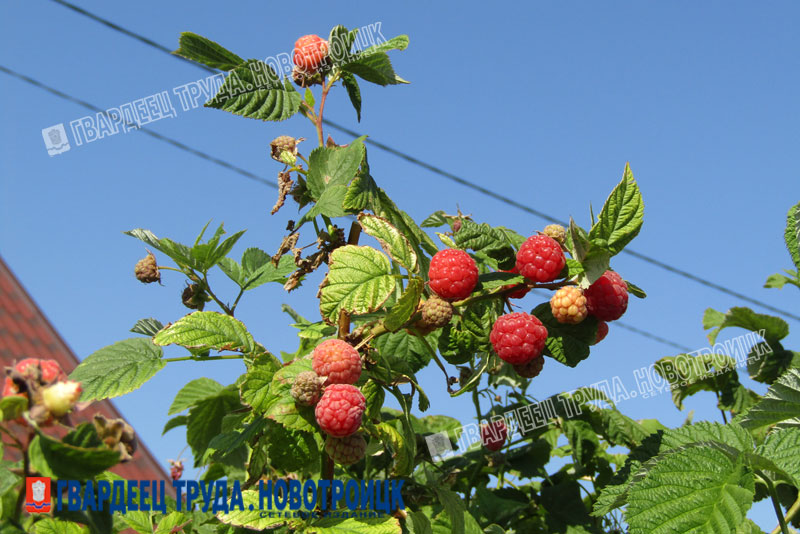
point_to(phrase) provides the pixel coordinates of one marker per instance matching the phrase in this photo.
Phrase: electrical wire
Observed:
(450, 176)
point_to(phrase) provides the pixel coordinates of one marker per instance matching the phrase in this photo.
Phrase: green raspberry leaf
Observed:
(72, 458)
(435, 220)
(175, 422)
(353, 92)
(781, 448)
(778, 280)
(49, 525)
(292, 450)
(405, 306)
(179, 253)
(340, 45)
(250, 516)
(208, 254)
(206, 330)
(699, 489)
(279, 404)
(566, 343)
(635, 290)
(331, 166)
(774, 328)
(491, 241)
(193, 392)
(255, 387)
(258, 268)
(147, 327)
(359, 281)
(621, 218)
(391, 240)
(363, 193)
(780, 404)
(355, 525)
(118, 369)
(205, 51)
(792, 234)
(374, 395)
(204, 422)
(12, 407)
(255, 91)
(391, 433)
(494, 280)
(402, 353)
(374, 67)
(329, 204)
(640, 461)
(689, 374)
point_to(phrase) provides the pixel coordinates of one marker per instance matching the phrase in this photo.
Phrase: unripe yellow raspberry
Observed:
(569, 305)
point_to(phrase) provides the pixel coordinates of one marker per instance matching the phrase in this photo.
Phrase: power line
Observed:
(448, 175)
(227, 165)
(151, 133)
(334, 125)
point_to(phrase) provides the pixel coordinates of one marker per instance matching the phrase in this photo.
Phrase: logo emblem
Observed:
(55, 139)
(37, 494)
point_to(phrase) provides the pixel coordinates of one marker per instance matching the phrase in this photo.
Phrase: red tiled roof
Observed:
(25, 332)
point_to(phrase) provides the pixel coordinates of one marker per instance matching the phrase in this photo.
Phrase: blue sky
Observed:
(542, 102)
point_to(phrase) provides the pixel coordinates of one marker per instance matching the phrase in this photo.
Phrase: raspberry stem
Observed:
(223, 357)
(504, 291)
(435, 358)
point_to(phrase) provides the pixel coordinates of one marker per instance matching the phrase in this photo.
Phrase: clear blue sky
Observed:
(544, 102)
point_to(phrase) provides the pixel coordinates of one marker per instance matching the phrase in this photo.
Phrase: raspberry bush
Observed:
(483, 304)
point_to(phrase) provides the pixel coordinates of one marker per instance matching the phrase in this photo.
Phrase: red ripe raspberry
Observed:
(540, 259)
(346, 451)
(10, 389)
(310, 51)
(602, 332)
(569, 305)
(50, 370)
(47, 371)
(175, 469)
(338, 361)
(493, 435)
(518, 294)
(530, 369)
(518, 337)
(607, 297)
(339, 410)
(453, 274)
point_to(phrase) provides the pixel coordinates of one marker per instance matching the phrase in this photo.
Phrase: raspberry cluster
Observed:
(339, 405)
